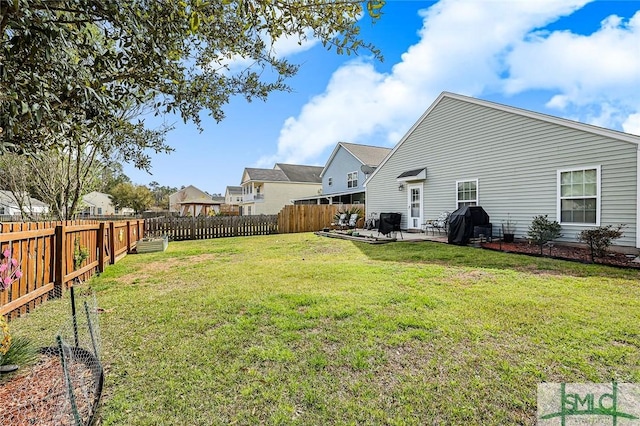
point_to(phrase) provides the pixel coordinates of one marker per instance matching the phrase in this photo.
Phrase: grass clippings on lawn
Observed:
(300, 329)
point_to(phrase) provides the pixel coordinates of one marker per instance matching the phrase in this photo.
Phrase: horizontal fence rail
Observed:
(200, 228)
(52, 255)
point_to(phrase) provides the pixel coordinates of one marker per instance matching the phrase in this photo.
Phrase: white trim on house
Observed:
(598, 169)
(476, 200)
(522, 112)
(638, 198)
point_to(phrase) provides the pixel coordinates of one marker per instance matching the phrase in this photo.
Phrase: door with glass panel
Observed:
(414, 216)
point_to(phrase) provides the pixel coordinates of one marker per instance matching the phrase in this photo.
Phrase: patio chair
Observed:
(353, 220)
(342, 222)
(439, 224)
(372, 222)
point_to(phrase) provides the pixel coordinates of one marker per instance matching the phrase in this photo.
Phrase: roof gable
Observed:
(367, 155)
(614, 134)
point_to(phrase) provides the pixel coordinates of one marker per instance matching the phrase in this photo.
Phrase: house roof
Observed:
(234, 189)
(368, 155)
(614, 134)
(299, 173)
(286, 173)
(184, 190)
(266, 175)
(8, 199)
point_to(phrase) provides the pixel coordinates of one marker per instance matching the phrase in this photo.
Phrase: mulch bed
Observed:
(565, 252)
(38, 395)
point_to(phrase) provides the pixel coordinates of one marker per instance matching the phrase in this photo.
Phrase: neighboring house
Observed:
(345, 172)
(233, 195)
(10, 206)
(266, 191)
(232, 201)
(516, 164)
(190, 201)
(97, 204)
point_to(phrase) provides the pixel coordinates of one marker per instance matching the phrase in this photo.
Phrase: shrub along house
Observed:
(516, 164)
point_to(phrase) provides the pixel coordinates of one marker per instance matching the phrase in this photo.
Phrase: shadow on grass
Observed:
(463, 256)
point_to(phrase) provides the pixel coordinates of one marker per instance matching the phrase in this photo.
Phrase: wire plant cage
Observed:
(65, 385)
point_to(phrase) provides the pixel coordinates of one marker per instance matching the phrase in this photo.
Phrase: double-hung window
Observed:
(579, 195)
(352, 180)
(466, 193)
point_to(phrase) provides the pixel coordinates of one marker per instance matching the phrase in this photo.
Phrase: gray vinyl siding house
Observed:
(514, 163)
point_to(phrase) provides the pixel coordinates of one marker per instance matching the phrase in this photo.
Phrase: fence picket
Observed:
(45, 251)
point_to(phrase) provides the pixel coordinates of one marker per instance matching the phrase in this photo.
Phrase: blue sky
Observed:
(575, 59)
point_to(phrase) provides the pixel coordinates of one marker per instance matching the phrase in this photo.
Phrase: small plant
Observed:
(21, 352)
(508, 229)
(80, 253)
(600, 239)
(542, 230)
(9, 270)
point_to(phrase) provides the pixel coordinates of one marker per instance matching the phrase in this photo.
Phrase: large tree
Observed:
(68, 67)
(137, 197)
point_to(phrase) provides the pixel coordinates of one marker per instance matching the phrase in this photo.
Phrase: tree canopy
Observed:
(85, 69)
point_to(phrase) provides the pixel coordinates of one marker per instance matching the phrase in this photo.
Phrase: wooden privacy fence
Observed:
(52, 255)
(200, 228)
(312, 217)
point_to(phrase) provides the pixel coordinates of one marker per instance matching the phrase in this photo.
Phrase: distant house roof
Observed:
(368, 155)
(298, 173)
(234, 189)
(266, 175)
(286, 173)
(8, 199)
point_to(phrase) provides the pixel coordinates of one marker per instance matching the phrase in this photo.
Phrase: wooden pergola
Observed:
(196, 207)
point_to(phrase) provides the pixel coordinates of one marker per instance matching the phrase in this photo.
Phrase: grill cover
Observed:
(389, 222)
(462, 221)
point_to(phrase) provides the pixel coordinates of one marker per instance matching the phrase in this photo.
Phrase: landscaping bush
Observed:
(600, 239)
(542, 230)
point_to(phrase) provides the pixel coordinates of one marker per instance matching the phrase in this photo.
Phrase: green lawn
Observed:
(300, 329)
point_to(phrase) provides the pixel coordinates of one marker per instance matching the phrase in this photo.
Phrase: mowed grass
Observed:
(300, 329)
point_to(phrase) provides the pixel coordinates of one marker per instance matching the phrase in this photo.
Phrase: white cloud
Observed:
(281, 48)
(475, 47)
(632, 124)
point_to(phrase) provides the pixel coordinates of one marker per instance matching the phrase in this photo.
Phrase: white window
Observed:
(579, 196)
(330, 181)
(352, 180)
(466, 193)
(99, 210)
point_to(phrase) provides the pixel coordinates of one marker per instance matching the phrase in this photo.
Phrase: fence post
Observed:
(128, 236)
(60, 261)
(193, 228)
(101, 248)
(112, 238)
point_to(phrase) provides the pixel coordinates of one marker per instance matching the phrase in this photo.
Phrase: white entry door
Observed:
(414, 217)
